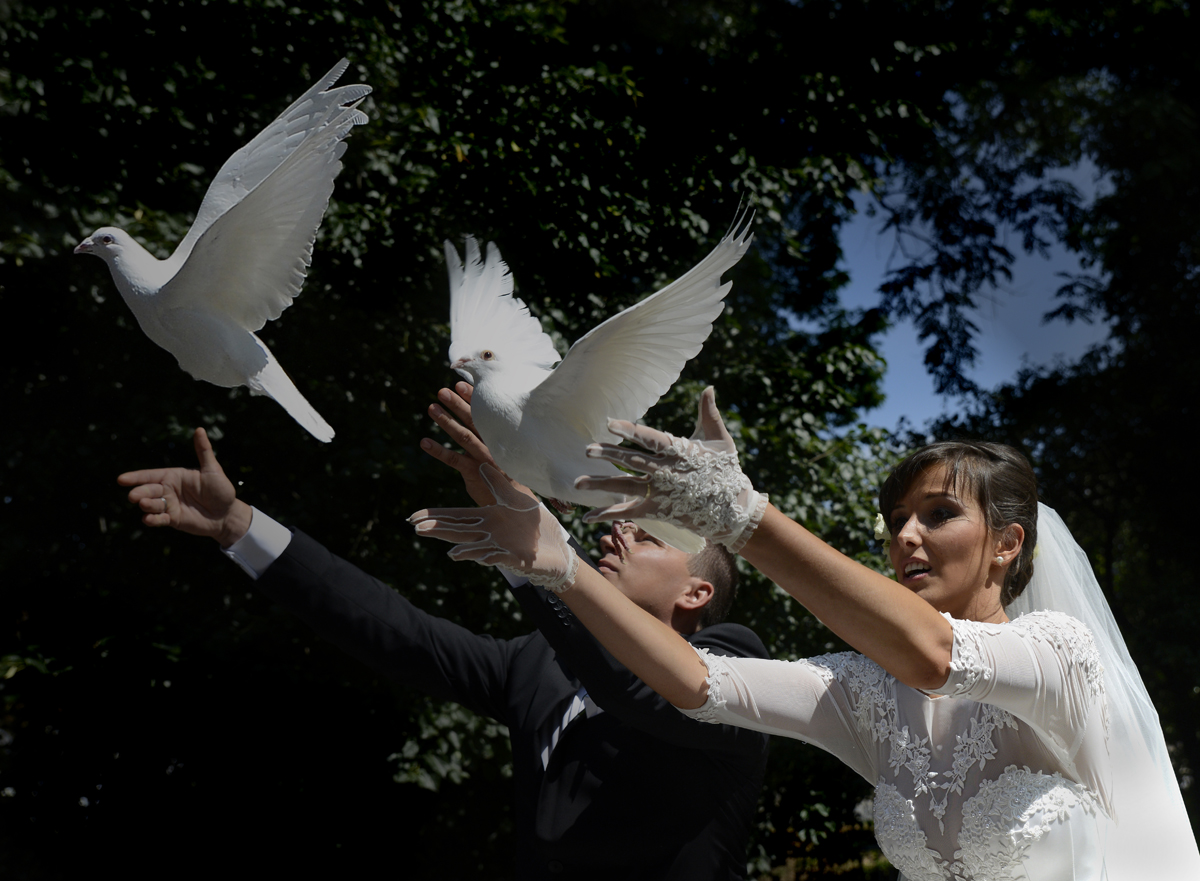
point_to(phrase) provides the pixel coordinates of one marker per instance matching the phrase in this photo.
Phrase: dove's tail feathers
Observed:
(274, 382)
(676, 536)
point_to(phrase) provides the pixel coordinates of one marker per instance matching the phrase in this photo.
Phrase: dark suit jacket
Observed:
(639, 791)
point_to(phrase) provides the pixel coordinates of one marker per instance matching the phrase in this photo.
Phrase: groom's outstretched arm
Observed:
(344, 605)
(202, 502)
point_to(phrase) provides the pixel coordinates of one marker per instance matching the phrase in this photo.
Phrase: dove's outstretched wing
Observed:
(620, 368)
(483, 308)
(248, 251)
(253, 163)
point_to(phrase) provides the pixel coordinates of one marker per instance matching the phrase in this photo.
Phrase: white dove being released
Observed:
(246, 255)
(537, 419)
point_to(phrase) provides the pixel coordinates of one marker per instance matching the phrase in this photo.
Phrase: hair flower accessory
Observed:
(881, 530)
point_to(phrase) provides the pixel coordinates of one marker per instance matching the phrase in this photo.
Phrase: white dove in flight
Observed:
(246, 255)
(537, 419)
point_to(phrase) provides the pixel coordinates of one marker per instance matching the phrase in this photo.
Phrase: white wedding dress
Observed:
(1016, 787)
(1041, 759)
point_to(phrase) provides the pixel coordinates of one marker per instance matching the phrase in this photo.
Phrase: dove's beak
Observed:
(84, 247)
(460, 367)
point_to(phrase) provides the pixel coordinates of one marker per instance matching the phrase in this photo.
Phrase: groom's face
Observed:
(651, 573)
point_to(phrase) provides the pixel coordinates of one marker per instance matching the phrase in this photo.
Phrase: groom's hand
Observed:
(201, 502)
(453, 416)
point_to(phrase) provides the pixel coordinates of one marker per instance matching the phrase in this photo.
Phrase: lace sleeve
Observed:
(814, 700)
(1042, 667)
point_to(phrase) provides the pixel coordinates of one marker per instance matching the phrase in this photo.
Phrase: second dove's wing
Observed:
(251, 260)
(620, 368)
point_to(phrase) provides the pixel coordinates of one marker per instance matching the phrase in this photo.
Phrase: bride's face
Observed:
(941, 548)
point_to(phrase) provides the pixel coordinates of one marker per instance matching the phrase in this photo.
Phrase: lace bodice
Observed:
(1003, 774)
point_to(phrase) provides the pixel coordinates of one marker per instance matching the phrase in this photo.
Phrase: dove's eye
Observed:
(106, 239)
(487, 354)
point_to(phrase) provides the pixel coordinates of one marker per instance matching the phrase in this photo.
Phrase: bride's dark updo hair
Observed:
(1000, 480)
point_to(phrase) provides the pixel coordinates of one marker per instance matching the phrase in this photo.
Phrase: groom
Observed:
(611, 781)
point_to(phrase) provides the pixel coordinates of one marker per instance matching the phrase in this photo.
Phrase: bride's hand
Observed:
(517, 532)
(695, 483)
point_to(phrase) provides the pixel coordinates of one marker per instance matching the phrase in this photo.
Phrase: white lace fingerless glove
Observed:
(556, 564)
(517, 532)
(703, 489)
(695, 483)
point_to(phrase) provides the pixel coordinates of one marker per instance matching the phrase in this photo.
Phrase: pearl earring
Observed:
(999, 560)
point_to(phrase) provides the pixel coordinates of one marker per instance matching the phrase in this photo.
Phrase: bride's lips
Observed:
(914, 570)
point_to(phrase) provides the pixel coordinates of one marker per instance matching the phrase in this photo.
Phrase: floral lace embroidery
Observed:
(1008, 814)
(875, 713)
(718, 669)
(1072, 640)
(702, 492)
(968, 658)
(1000, 824)
(1009, 806)
(900, 836)
(714, 702)
(1068, 636)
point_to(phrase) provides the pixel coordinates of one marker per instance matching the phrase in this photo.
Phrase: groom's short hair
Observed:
(716, 565)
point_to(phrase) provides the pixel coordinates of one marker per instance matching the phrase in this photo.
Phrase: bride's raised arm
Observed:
(520, 535)
(697, 483)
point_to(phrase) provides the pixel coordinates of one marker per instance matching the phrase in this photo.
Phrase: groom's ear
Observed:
(699, 593)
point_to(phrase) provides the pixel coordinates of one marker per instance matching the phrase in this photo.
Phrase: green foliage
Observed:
(1108, 434)
(604, 147)
(436, 753)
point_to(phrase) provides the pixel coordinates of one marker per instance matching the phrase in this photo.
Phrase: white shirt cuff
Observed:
(263, 544)
(514, 579)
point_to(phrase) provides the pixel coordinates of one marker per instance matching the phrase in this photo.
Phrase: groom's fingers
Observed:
(204, 452)
(458, 402)
(461, 434)
(149, 475)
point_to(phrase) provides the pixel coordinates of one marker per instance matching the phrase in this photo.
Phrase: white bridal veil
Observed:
(1152, 838)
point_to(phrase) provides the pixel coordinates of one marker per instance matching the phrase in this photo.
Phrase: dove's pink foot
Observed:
(619, 540)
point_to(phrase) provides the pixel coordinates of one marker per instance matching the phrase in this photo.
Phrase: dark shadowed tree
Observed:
(160, 715)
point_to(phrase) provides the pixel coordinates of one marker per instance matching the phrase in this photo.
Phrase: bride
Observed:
(991, 701)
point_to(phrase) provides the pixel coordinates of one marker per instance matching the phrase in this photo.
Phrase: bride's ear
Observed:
(1009, 544)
